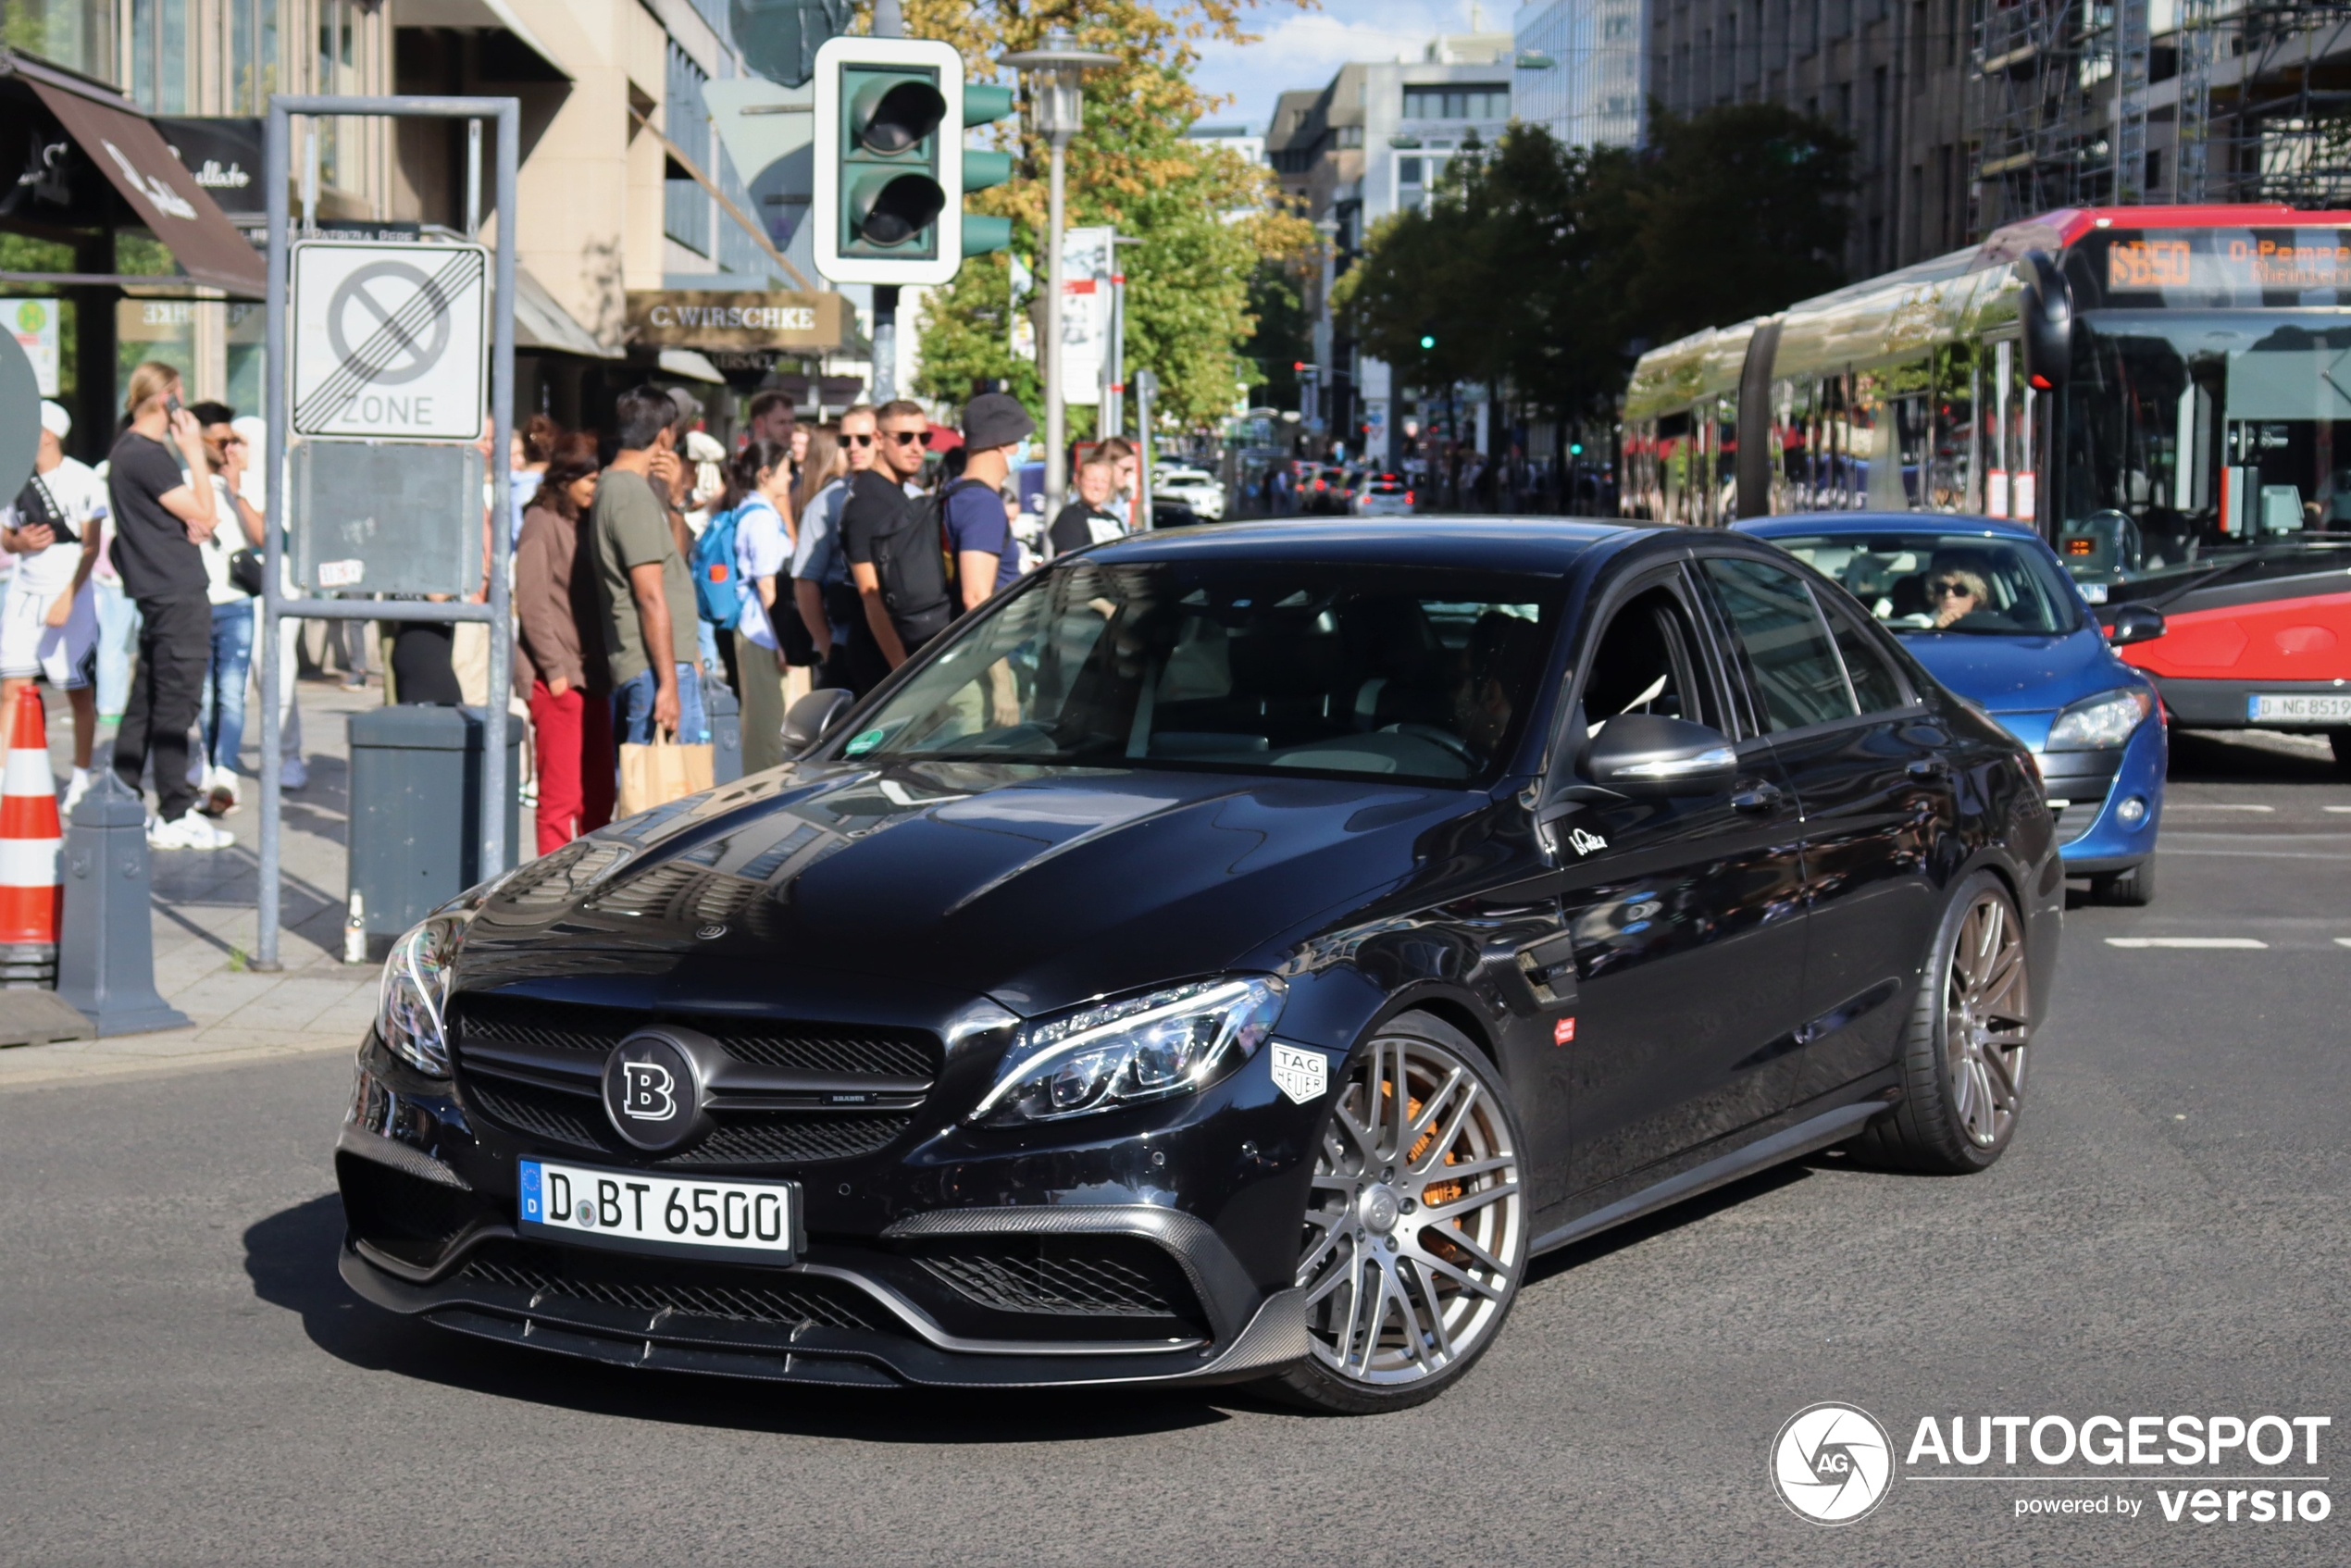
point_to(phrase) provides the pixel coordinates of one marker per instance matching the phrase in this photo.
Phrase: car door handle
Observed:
(1927, 767)
(1759, 800)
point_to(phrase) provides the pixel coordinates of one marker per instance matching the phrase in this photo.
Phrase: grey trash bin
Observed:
(415, 810)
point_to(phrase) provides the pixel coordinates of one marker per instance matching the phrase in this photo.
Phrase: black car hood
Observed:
(1039, 887)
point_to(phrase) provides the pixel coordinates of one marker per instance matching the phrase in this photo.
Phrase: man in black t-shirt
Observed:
(878, 509)
(161, 513)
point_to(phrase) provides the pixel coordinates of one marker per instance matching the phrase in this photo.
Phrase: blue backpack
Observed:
(718, 588)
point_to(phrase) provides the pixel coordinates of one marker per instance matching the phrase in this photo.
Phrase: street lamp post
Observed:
(1057, 110)
(1325, 328)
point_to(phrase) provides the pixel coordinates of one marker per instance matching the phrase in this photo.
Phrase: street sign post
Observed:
(390, 341)
(380, 343)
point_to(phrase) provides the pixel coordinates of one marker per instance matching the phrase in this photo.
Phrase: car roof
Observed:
(1530, 544)
(1881, 522)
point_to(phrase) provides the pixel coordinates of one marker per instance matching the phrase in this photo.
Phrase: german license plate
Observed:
(648, 1212)
(2273, 707)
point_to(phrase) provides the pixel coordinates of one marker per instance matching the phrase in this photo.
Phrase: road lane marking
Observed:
(2343, 941)
(2261, 854)
(2340, 811)
(2215, 806)
(2187, 941)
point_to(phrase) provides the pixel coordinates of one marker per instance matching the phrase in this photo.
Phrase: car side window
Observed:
(1794, 665)
(1875, 686)
(1647, 662)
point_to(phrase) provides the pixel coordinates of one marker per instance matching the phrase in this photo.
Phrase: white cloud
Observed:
(1306, 48)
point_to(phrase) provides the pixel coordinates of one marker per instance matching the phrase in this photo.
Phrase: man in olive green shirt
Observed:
(643, 584)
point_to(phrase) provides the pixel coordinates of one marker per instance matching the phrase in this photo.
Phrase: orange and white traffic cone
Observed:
(31, 843)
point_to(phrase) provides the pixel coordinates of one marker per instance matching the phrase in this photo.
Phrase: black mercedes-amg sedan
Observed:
(1226, 955)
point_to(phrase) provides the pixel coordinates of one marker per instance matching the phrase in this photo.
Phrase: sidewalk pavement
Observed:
(205, 926)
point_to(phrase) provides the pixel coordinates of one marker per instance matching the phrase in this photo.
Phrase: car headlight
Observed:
(1108, 1055)
(409, 1011)
(2099, 723)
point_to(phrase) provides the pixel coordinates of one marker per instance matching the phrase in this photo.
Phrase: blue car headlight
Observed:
(412, 1003)
(2100, 723)
(1131, 1049)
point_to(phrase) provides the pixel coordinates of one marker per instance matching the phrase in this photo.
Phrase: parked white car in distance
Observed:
(1383, 495)
(1195, 488)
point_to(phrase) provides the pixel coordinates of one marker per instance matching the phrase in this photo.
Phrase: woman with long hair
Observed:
(759, 492)
(559, 658)
(820, 576)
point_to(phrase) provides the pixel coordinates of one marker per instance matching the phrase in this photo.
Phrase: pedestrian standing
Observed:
(979, 533)
(759, 491)
(772, 417)
(902, 580)
(1089, 520)
(49, 612)
(1128, 476)
(163, 509)
(220, 717)
(645, 596)
(821, 595)
(559, 657)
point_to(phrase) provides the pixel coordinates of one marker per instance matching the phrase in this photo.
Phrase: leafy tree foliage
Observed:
(1205, 217)
(1537, 268)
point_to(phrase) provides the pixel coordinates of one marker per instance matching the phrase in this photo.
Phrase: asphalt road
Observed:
(183, 1379)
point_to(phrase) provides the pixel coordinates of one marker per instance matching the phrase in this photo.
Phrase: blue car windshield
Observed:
(1234, 665)
(1970, 583)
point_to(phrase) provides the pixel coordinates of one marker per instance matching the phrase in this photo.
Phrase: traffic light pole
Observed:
(1056, 420)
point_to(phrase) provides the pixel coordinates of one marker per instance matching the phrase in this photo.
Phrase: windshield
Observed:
(2196, 439)
(1234, 665)
(1974, 583)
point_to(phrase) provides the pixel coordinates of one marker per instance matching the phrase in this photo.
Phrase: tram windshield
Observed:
(2191, 438)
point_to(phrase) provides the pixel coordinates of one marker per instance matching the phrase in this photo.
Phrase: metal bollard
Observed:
(107, 964)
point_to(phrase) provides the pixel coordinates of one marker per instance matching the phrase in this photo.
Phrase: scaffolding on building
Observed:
(2071, 99)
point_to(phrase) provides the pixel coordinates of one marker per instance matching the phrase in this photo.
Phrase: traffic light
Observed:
(982, 232)
(891, 169)
(1428, 341)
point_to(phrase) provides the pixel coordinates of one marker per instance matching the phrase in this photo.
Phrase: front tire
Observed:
(2134, 889)
(1415, 1231)
(1964, 1052)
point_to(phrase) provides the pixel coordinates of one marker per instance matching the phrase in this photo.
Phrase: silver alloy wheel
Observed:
(1986, 1011)
(1416, 1224)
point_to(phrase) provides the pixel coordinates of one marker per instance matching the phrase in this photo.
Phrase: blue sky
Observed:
(1303, 48)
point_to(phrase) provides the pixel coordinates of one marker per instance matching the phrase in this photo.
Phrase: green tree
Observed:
(1741, 212)
(1285, 337)
(1206, 218)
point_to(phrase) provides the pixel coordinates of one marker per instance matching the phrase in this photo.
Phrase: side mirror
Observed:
(1651, 756)
(2045, 314)
(812, 716)
(2127, 624)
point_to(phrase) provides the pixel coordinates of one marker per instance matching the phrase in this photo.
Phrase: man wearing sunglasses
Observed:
(902, 579)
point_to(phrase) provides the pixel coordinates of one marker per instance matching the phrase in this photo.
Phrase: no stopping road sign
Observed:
(390, 341)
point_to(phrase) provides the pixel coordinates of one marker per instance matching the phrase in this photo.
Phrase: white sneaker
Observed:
(74, 791)
(220, 792)
(189, 832)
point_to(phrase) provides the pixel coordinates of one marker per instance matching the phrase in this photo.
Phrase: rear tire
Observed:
(2134, 889)
(1964, 1050)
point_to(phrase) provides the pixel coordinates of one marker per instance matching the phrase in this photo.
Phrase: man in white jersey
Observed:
(48, 615)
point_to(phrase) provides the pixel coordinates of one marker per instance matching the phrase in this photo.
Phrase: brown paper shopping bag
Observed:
(663, 771)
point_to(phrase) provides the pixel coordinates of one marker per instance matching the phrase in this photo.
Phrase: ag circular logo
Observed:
(1832, 1463)
(652, 1095)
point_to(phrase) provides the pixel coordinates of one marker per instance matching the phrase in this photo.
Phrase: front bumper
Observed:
(2227, 704)
(1156, 1246)
(2092, 835)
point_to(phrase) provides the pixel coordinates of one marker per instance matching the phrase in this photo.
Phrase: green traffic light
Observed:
(1427, 341)
(1575, 449)
(982, 104)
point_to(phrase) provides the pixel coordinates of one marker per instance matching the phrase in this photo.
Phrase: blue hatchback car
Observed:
(1986, 607)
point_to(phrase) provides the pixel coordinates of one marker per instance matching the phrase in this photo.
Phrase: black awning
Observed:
(132, 155)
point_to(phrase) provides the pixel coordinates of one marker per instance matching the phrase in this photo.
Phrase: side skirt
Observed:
(1789, 1143)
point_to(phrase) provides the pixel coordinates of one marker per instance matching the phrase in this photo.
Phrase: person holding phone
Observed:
(49, 615)
(159, 487)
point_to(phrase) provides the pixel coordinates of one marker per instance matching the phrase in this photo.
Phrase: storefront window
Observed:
(75, 33)
(252, 54)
